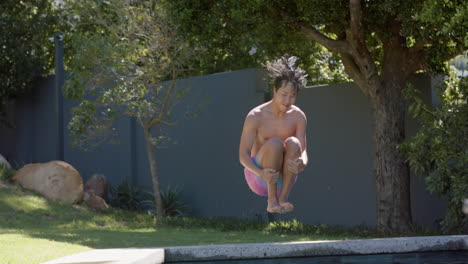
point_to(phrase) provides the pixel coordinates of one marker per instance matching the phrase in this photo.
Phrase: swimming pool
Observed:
(440, 257)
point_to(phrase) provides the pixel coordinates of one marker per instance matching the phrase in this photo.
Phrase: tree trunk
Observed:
(390, 168)
(154, 173)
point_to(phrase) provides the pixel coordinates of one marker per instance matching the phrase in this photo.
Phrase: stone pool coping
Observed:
(317, 248)
(269, 250)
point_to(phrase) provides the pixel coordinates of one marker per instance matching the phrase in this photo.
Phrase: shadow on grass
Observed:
(36, 217)
(25, 213)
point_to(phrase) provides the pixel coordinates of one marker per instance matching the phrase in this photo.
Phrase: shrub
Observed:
(6, 175)
(172, 204)
(126, 197)
(439, 151)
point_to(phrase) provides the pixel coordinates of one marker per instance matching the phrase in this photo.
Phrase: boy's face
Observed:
(285, 96)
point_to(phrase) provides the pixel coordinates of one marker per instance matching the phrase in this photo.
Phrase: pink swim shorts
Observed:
(257, 184)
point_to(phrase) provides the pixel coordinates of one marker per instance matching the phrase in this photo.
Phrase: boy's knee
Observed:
(292, 144)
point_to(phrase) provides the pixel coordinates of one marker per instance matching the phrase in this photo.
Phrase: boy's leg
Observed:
(293, 150)
(270, 156)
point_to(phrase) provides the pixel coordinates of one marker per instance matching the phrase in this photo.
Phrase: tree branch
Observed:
(167, 123)
(361, 56)
(357, 30)
(352, 69)
(331, 44)
(312, 33)
(165, 102)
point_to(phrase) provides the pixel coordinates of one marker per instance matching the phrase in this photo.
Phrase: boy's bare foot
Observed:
(275, 209)
(286, 207)
(274, 206)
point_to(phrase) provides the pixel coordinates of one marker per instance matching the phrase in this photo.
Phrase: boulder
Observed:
(56, 180)
(98, 184)
(94, 201)
(4, 163)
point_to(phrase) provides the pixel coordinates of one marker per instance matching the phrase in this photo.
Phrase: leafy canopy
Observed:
(240, 34)
(229, 29)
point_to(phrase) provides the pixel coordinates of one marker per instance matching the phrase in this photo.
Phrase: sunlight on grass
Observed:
(24, 202)
(20, 248)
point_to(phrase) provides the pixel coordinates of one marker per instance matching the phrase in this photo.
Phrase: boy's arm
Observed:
(301, 135)
(246, 143)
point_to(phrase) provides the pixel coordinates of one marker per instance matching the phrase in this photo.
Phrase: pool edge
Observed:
(316, 248)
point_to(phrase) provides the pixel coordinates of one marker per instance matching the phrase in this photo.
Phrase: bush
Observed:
(439, 151)
(126, 197)
(172, 204)
(6, 175)
(132, 198)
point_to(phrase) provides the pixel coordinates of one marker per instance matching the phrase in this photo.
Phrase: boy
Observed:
(273, 141)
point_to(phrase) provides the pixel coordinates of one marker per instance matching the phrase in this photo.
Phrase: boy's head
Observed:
(283, 71)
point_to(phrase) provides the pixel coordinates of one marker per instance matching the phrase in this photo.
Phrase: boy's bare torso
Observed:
(270, 125)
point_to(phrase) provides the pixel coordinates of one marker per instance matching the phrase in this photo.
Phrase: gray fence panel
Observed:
(36, 124)
(337, 187)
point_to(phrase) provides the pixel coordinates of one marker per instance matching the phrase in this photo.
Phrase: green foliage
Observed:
(293, 226)
(232, 35)
(290, 227)
(221, 224)
(6, 175)
(439, 151)
(26, 51)
(172, 204)
(126, 197)
(122, 66)
(226, 30)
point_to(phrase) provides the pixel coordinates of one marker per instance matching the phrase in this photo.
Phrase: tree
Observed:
(120, 68)
(381, 44)
(25, 49)
(438, 152)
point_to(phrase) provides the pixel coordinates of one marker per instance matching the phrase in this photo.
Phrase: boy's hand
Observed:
(270, 175)
(296, 166)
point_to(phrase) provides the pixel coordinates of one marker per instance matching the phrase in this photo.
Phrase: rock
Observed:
(94, 201)
(56, 180)
(4, 163)
(98, 184)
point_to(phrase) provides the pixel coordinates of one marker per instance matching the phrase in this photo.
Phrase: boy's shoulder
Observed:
(255, 116)
(258, 110)
(297, 111)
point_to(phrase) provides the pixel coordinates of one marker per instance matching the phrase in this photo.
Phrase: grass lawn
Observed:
(35, 230)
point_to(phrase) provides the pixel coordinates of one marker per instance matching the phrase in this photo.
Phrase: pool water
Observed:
(445, 257)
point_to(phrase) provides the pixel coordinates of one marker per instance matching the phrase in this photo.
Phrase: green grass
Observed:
(34, 229)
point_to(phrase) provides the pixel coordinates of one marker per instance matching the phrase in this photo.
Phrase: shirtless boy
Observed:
(273, 142)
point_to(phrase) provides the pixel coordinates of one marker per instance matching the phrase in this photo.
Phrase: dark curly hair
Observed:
(283, 70)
